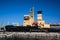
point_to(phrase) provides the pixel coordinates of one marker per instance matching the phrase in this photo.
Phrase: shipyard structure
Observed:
(29, 19)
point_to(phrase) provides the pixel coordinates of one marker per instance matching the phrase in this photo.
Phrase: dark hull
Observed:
(30, 29)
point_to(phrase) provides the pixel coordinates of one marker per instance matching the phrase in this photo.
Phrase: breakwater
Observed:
(29, 36)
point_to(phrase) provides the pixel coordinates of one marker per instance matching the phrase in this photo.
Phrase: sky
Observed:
(14, 10)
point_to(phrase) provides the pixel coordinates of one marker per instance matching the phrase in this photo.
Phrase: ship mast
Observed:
(32, 14)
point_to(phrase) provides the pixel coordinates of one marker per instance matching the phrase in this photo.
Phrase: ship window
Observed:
(39, 19)
(26, 18)
(31, 16)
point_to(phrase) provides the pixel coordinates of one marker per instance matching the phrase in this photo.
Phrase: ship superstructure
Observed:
(29, 19)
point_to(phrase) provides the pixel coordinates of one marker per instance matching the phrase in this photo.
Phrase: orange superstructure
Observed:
(35, 23)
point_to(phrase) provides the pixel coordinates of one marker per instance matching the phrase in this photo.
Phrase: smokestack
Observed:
(39, 12)
(39, 15)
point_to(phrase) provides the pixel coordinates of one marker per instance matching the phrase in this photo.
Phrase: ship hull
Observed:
(30, 29)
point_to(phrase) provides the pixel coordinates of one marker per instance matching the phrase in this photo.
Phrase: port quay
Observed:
(29, 36)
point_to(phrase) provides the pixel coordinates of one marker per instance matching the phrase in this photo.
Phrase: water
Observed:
(29, 36)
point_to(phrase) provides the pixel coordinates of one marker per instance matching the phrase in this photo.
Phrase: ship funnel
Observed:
(39, 12)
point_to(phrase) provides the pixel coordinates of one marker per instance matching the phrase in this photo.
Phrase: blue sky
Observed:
(14, 10)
